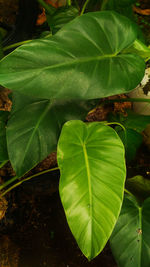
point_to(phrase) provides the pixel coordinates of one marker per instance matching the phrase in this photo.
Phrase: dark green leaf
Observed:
(132, 140)
(123, 7)
(91, 183)
(83, 60)
(139, 186)
(34, 127)
(131, 120)
(61, 17)
(130, 242)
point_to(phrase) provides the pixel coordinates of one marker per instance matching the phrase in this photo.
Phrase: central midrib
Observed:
(89, 183)
(36, 127)
(81, 60)
(140, 235)
(71, 62)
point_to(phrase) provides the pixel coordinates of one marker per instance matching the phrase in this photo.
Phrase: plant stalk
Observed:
(15, 45)
(69, 2)
(48, 8)
(117, 123)
(84, 7)
(104, 2)
(128, 192)
(3, 163)
(24, 180)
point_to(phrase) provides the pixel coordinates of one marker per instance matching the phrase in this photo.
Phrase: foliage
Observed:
(54, 81)
(132, 234)
(62, 16)
(35, 136)
(139, 186)
(57, 67)
(86, 184)
(131, 137)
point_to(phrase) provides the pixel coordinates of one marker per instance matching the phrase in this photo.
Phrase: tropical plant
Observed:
(54, 81)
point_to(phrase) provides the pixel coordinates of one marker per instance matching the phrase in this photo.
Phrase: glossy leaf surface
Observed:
(91, 161)
(130, 240)
(83, 60)
(3, 144)
(34, 127)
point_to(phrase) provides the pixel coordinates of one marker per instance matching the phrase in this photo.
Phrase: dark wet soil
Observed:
(35, 228)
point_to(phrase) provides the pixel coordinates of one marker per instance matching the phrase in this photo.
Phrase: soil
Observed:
(35, 225)
(34, 231)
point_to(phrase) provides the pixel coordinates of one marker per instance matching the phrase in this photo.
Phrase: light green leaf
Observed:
(34, 127)
(130, 242)
(91, 161)
(138, 48)
(83, 60)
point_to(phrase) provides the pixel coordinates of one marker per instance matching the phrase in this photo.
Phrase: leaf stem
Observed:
(117, 123)
(69, 2)
(128, 192)
(15, 45)
(48, 8)
(26, 179)
(104, 2)
(3, 163)
(10, 181)
(147, 59)
(84, 7)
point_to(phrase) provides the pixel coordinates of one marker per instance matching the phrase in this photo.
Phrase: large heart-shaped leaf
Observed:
(34, 127)
(3, 144)
(83, 60)
(130, 240)
(91, 161)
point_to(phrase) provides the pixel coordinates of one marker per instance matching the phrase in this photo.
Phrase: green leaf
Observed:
(134, 125)
(34, 127)
(130, 242)
(132, 140)
(138, 48)
(131, 120)
(139, 186)
(3, 144)
(61, 17)
(123, 7)
(91, 183)
(83, 60)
